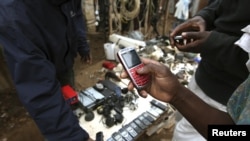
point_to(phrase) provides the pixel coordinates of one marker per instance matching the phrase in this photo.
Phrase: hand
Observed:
(197, 23)
(163, 85)
(86, 58)
(192, 41)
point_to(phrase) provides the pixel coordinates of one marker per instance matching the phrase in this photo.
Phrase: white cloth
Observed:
(184, 131)
(182, 9)
(244, 43)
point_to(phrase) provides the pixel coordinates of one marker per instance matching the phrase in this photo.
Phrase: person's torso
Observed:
(232, 16)
(45, 26)
(215, 78)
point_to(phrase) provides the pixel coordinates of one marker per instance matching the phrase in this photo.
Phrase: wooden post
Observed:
(164, 31)
(110, 17)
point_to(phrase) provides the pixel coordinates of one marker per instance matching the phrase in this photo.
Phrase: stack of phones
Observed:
(131, 131)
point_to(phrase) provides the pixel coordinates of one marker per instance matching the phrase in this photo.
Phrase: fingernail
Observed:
(183, 33)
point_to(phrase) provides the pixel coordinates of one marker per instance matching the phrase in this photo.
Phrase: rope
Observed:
(116, 19)
(128, 15)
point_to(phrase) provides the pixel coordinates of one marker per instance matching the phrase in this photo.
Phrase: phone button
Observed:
(139, 79)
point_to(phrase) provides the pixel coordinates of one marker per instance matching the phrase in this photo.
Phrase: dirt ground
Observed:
(15, 122)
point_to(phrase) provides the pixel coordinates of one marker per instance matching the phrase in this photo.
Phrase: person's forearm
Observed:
(197, 112)
(208, 13)
(224, 43)
(232, 55)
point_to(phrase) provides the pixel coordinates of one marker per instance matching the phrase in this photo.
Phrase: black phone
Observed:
(99, 136)
(125, 134)
(131, 63)
(117, 137)
(131, 131)
(179, 39)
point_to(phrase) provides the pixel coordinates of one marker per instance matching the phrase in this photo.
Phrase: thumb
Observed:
(148, 66)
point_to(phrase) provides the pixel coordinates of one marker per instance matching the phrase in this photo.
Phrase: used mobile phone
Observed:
(99, 136)
(131, 131)
(125, 134)
(140, 123)
(117, 136)
(131, 63)
(137, 129)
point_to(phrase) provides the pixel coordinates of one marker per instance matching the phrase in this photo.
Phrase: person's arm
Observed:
(82, 42)
(208, 13)
(83, 47)
(38, 89)
(217, 47)
(197, 112)
(201, 22)
(165, 86)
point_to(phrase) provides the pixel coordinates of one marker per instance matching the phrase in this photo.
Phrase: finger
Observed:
(153, 68)
(188, 41)
(130, 86)
(191, 35)
(182, 47)
(177, 31)
(172, 41)
(189, 47)
(202, 28)
(143, 94)
(124, 74)
(148, 61)
(89, 61)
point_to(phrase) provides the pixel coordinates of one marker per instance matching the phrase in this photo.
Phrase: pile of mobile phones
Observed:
(137, 126)
(131, 131)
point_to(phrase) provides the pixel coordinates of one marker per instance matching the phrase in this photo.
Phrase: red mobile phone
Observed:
(131, 62)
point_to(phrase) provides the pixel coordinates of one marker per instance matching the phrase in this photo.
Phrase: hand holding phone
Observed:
(131, 63)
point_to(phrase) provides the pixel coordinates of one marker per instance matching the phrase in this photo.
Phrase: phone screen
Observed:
(131, 59)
